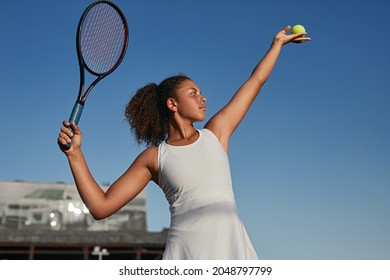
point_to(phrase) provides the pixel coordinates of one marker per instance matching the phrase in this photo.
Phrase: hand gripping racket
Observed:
(101, 42)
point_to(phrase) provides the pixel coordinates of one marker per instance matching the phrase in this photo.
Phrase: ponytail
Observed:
(147, 112)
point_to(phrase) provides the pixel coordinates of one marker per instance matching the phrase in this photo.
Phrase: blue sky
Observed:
(310, 162)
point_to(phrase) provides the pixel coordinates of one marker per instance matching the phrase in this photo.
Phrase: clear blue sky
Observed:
(311, 161)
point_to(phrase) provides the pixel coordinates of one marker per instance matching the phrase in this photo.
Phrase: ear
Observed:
(171, 104)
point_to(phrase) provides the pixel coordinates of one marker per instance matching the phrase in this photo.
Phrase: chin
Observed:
(199, 120)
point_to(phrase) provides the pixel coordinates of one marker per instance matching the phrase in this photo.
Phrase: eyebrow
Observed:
(192, 88)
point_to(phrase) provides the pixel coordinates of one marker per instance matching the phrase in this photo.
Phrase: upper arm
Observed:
(132, 182)
(225, 122)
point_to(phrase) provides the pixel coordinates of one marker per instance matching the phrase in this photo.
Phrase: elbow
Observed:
(261, 81)
(98, 215)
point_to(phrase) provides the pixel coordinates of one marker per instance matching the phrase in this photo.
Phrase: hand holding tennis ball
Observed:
(298, 29)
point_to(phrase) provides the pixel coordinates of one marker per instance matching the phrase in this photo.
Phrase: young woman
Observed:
(191, 166)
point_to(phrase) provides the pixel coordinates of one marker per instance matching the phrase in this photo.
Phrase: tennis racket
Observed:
(101, 41)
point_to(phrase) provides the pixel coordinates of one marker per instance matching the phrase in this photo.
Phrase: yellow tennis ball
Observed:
(298, 29)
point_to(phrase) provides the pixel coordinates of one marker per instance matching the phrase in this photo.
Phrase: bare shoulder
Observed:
(149, 159)
(149, 153)
(215, 125)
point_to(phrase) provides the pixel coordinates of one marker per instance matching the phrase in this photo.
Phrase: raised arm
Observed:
(224, 123)
(103, 204)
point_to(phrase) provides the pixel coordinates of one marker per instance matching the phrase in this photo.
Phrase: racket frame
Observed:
(82, 97)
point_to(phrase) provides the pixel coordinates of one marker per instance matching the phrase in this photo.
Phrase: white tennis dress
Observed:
(197, 184)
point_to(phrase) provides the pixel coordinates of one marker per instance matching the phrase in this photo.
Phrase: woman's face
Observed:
(190, 103)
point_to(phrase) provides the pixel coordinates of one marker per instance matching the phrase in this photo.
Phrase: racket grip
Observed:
(75, 117)
(76, 113)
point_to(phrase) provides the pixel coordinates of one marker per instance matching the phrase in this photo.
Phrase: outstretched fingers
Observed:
(285, 38)
(300, 38)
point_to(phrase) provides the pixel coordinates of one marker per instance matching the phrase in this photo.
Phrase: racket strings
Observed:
(102, 38)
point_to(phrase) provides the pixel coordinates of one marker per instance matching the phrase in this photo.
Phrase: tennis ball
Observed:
(298, 29)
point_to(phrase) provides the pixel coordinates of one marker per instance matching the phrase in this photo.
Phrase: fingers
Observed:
(67, 132)
(65, 136)
(73, 127)
(296, 38)
(67, 129)
(285, 37)
(286, 29)
(300, 38)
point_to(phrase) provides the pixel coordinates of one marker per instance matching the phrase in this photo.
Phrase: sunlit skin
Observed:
(187, 108)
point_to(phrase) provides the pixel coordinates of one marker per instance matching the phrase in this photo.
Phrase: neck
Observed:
(181, 134)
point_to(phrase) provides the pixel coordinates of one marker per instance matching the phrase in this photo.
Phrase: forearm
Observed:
(90, 192)
(264, 68)
(247, 93)
(226, 121)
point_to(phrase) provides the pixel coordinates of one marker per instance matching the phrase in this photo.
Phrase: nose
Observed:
(203, 99)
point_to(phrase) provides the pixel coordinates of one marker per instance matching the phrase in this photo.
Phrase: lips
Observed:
(203, 108)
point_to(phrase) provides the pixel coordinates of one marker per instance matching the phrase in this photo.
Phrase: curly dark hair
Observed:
(147, 112)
